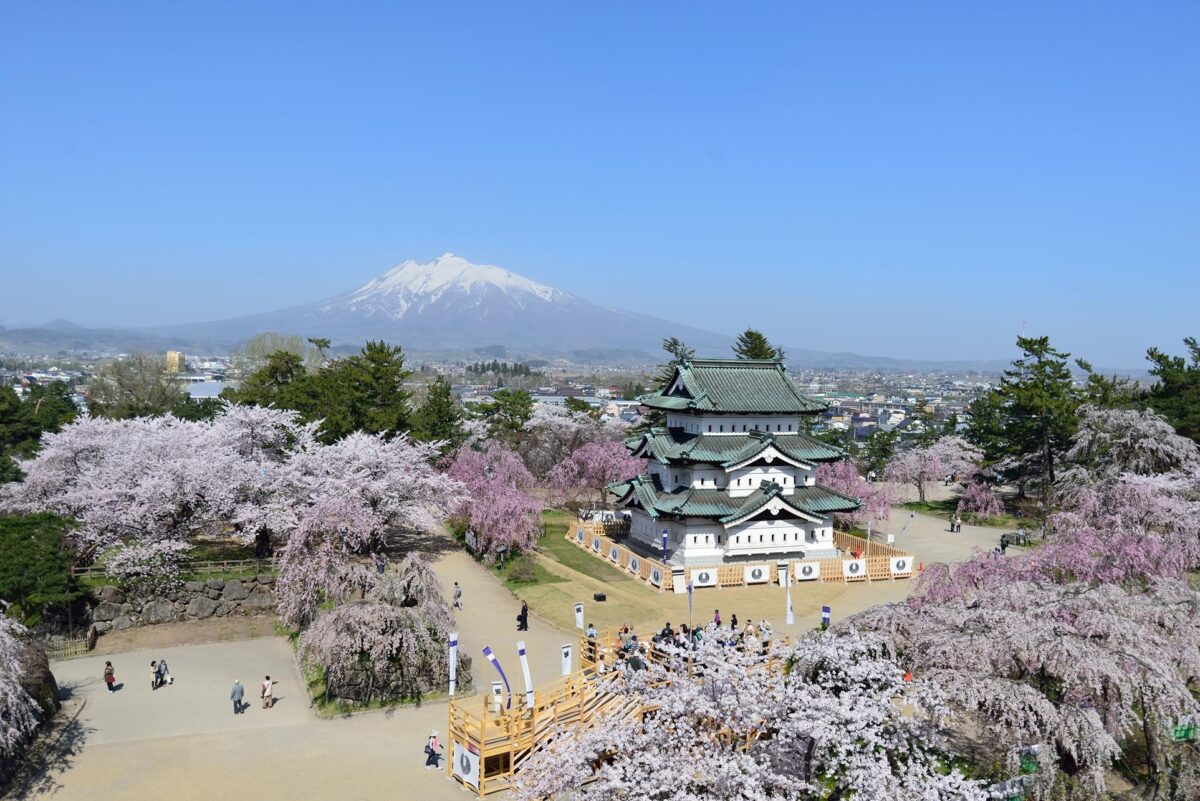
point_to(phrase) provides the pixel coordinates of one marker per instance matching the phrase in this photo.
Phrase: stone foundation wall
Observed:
(196, 600)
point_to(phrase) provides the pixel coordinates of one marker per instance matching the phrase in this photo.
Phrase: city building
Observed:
(174, 361)
(730, 476)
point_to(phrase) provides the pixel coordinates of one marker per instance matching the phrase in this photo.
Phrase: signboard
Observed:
(566, 660)
(579, 535)
(757, 574)
(596, 544)
(472, 541)
(854, 568)
(901, 565)
(466, 765)
(614, 553)
(704, 577)
(635, 564)
(656, 576)
(579, 615)
(806, 571)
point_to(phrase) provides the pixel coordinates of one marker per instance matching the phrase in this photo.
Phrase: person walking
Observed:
(164, 675)
(717, 618)
(110, 677)
(268, 693)
(153, 674)
(457, 596)
(432, 746)
(236, 695)
(733, 623)
(523, 617)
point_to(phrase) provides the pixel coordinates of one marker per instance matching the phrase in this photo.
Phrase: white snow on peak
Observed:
(420, 283)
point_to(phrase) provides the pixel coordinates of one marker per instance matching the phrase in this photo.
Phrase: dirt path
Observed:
(183, 742)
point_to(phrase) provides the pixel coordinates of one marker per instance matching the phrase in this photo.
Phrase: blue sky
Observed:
(904, 179)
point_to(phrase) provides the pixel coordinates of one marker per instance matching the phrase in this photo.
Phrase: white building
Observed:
(730, 476)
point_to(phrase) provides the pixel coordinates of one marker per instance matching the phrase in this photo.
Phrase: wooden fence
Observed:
(490, 741)
(592, 537)
(268, 565)
(71, 649)
(863, 560)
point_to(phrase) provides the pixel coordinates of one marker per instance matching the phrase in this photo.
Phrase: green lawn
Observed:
(554, 545)
(945, 508)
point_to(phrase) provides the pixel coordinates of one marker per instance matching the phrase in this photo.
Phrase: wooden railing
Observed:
(267, 565)
(500, 739)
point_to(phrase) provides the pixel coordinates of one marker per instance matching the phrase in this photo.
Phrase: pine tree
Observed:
(1040, 412)
(439, 418)
(752, 344)
(1176, 395)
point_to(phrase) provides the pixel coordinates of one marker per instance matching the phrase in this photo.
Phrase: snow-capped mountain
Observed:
(450, 304)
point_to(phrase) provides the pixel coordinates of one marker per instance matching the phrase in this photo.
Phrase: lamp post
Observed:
(666, 534)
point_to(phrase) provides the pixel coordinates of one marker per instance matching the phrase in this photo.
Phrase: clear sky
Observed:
(907, 179)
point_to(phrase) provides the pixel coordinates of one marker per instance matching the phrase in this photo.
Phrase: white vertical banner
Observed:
(525, 670)
(453, 660)
(791, 613)
(579, 615)
(566, 660)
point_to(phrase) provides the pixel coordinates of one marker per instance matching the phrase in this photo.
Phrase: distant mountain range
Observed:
(449, 306)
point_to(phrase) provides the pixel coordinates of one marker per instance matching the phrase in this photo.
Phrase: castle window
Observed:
(710, 428)
(789, 426)
(756, 426)
(722, 431)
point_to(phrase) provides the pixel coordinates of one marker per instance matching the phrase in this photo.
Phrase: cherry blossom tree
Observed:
(875, 500)
(19, 712)
(978, 502)
(381, 646)
(498, 506)
(921, 464)
(392, 644)
(1110, 442)
(826, 726)
(554, 432)
(583, 477)
(1076, 668)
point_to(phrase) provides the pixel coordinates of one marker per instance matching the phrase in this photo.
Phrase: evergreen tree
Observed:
(507, 413)
(374, 389)
(752, 344)
(878, 451)
(439, 418)
(1040, 413)
(23, 421)
(574, 404)
(1176, 394)
(35, 566)
(679, 353)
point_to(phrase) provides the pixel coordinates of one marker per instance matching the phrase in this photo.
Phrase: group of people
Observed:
(266, 692)
(956, 523)
(159, 674)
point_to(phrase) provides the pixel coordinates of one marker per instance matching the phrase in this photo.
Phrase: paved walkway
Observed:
(183, 742)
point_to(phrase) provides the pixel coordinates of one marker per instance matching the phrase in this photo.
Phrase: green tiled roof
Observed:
(749, 386)
(677, 447)
(717, 503)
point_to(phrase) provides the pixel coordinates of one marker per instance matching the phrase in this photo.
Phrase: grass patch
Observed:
(523, 572)
(554, 545)
(948, 506)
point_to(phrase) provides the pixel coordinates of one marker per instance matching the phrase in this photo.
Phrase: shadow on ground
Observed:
(53, 754)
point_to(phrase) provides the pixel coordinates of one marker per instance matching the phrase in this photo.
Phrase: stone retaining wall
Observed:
(196, 600)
